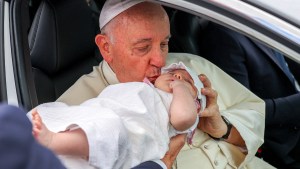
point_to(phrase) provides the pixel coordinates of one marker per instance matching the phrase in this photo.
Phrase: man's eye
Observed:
(142, 50)
(164, 46)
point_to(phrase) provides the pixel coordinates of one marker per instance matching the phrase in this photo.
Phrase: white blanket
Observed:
(125, 125)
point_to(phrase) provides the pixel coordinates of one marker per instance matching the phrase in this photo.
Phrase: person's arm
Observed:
(244, 110)
(148, 165)
(183, 110)
(211, 121)
(275, 107)
(175, 145)
(231, 52)
(18, 147)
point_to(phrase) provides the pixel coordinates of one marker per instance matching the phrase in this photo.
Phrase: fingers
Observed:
(176, 143)
(206, 82)
(212, 107)
(207, 90)
(210, 94)
(211, 111)
(211, 97)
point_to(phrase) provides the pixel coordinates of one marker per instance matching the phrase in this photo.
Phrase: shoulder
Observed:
(195, 62)
(86, 87)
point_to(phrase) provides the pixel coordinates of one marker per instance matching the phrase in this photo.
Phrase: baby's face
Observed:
(164, 80)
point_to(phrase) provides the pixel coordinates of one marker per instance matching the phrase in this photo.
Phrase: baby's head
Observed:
(164, 80)
(182, 72)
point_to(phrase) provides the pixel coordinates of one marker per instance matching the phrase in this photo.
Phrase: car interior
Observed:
(62, 47)
(54, 45)
(60, 42)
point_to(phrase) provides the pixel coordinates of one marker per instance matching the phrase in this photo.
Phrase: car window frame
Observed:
(19, 78)
(221, 13)
(3, 96)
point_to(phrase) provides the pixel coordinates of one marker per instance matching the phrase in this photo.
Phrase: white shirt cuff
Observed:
(159, 162)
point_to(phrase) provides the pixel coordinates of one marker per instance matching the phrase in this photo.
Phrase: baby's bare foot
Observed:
(40, 132)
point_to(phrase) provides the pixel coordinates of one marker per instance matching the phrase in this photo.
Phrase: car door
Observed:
(2, 68)
(16, 80)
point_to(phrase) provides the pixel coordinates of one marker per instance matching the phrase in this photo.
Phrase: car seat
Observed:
(62, 46)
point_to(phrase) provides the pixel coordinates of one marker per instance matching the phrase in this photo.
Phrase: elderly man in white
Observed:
(134, 45)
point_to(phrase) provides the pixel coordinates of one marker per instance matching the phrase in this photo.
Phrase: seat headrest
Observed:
(61, 34)
(186, 30)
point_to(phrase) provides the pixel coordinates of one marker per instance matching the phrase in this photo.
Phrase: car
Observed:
(27, 82)
(46, 45)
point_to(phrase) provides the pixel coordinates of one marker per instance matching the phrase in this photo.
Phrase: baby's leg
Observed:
(41, 133)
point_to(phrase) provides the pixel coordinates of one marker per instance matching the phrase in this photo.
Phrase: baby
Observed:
(127, 124)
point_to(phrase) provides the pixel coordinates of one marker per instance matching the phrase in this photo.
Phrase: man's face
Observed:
(140, 48)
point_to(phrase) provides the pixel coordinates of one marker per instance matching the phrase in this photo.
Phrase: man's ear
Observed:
(103, 44)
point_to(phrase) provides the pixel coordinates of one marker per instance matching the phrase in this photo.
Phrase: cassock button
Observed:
(216, 162)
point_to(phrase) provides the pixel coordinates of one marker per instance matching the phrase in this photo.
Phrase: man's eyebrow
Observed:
(142, 40)
(148, 40)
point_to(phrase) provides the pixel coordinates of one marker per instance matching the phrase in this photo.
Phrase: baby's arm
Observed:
(183, 110)
(64, 143)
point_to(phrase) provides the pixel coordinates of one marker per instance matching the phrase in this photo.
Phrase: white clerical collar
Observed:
(109, 74)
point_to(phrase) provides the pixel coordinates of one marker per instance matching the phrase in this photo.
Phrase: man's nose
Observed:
(158, 59)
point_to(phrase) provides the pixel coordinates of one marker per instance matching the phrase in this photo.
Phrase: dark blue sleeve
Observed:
(148, 165)
(18, 148)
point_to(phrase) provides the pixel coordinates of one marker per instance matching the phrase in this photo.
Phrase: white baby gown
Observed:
(128, 123)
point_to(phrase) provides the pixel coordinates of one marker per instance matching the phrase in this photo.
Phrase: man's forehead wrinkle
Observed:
(142, 41)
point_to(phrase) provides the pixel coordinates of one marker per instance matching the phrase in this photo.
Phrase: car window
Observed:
(288, 9)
